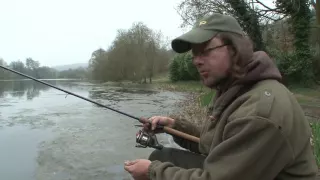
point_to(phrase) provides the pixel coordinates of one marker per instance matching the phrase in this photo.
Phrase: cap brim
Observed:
(183, 43)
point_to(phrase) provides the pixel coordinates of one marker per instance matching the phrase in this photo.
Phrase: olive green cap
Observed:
(205, 29)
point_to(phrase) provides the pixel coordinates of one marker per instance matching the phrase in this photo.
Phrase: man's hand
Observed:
(157, 120)
(138, 168)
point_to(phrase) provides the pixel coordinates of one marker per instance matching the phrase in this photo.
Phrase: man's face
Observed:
(212, 60)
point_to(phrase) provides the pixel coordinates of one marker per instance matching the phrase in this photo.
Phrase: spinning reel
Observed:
(146, 139)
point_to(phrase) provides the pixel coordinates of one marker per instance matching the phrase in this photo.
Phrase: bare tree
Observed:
(134, 55)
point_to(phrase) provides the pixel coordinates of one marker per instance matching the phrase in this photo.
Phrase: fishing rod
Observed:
(143, 138)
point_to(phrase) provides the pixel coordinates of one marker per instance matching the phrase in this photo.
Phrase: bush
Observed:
(316, 62)
(293, 70)
(174, 71)
(182, 69)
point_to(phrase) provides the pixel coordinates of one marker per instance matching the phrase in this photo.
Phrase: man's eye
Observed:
(206, 52)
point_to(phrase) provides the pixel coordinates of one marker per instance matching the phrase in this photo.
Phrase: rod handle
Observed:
(181, 134)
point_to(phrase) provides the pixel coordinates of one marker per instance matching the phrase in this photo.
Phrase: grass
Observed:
(316, 140)
(303, 95)
(163, 82)
(206, 98)
(307, 95)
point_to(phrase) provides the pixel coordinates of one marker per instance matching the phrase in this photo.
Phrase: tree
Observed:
(4, 74)
(18, 66)
(32, 64)
(136, 54)
(32, 67)
(182, 68)
(300, 17)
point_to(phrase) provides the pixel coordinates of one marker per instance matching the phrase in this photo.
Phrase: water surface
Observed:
(48, 135)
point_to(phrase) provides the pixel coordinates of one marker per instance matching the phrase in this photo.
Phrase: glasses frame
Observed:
(206, 52)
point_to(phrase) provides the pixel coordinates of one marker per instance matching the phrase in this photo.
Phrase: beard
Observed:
(215, 82)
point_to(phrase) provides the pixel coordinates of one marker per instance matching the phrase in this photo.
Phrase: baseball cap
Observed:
(205, 29)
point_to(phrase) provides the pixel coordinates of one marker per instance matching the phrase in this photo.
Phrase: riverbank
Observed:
(194, 108)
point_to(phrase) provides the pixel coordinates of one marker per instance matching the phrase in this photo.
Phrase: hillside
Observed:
(70, 66)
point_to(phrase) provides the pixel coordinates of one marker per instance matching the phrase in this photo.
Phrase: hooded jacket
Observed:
(257, 131)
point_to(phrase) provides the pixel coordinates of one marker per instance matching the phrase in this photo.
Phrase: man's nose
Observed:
(197, 61)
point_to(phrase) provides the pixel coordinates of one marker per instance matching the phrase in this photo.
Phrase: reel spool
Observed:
(146, 139)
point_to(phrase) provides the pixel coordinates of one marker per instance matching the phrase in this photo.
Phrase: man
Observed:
(256, 131)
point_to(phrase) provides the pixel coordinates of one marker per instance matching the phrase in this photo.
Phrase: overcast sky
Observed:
(61, 32)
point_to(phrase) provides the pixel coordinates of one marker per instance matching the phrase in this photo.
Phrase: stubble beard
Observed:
(214, 83)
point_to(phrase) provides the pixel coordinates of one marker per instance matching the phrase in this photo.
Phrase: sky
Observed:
(59, 32)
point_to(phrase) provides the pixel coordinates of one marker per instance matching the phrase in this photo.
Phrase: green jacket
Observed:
(257, 131)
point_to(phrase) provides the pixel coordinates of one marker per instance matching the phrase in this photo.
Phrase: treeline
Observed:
(33, 68)
(290, 33)
(137, 54)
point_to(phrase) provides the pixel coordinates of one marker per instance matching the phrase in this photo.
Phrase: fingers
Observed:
(154, 121)
(147, 121)
(128, 165)
(128, 169)
(144, 120)
(146, 126)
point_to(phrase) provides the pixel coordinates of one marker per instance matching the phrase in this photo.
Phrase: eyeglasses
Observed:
(206, 52)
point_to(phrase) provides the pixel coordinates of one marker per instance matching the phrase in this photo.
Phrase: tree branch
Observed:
(269, 10)
(183, 17)
(270, 17)
(259, 2)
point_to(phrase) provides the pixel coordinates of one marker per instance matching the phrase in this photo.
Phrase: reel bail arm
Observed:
(148, 138)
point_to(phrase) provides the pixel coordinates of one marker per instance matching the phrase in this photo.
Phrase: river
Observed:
(48, 135)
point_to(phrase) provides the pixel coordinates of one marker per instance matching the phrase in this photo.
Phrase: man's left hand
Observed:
(138, 168)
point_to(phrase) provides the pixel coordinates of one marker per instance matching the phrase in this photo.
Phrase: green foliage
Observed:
(174, 73)
(316, 141)
(249, 20)
(297, 65)
(191, 68)
(182, 69)
(206, 98)
(291, 67)
(316, 65)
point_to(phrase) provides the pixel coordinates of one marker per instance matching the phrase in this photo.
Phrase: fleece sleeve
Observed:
(252, 148)
(189, 128)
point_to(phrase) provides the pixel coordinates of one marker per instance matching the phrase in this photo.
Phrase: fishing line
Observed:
(143, 138)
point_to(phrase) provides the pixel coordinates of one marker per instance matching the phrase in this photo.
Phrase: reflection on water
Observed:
(28, 88)
(20, 88)
(64, 137)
